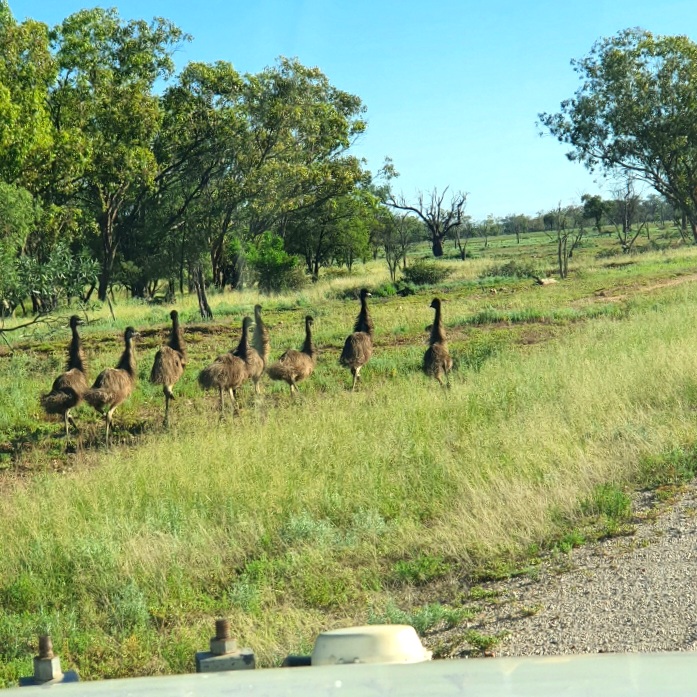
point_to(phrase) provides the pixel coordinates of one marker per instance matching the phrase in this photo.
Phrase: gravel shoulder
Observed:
(625, 594)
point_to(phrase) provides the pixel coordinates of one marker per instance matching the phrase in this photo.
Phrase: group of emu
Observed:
(248, 361)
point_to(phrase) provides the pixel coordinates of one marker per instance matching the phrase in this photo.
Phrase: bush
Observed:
(386, 290)
(274, 268)
(512, 269)
(424, 273)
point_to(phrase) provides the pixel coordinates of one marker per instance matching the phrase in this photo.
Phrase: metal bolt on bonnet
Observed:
(223, 643)
(224, 653)
(47, 666)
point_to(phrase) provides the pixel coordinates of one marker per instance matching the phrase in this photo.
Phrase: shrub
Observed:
(424, 273)
(420, 570)
(512, 269)
(274, 268)
(386, 290)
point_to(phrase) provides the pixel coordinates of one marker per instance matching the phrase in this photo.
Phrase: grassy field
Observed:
(388, 504)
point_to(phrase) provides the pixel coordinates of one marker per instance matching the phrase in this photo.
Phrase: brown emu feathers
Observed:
(229, 371)
(294, 366)
(114, 385)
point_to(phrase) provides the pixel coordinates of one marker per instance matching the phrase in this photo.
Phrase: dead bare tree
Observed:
(624, 211)
(463, 234)
(439, 219)
(567, 233)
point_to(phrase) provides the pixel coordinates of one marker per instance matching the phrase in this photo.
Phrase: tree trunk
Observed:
(203, 306)
(437, 246)
(106, 225)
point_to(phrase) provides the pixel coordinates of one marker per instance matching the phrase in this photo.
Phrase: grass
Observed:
(303, 515)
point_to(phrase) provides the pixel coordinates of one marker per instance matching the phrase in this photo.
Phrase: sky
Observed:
(452, 89)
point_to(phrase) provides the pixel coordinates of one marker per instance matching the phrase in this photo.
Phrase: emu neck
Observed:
(243, 346)
(75, 358)
(308, 348)
(363, 322)
(176, 340)
(128, 359)
(437, 331)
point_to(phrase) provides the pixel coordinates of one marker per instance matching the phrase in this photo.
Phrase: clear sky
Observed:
(452, 88)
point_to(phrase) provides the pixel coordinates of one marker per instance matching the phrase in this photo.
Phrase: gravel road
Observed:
(626, 594)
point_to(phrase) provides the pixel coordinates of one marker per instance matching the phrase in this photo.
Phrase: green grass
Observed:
(339, 508)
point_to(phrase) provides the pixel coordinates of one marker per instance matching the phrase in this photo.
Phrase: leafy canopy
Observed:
(636, 111)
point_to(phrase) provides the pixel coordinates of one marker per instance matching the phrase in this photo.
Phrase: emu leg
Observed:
(107, 419)
(166, 421)
(356, 377)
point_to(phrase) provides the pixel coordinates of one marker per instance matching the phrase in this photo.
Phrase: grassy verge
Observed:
(300, 516)
(337, 508)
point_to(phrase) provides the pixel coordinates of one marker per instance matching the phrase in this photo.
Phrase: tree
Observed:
(336, 231)
(397, 234)
(463, 234)
(107, 70)
(516, 225)
(623, 212)
(27, 69)
(438, 218)
(488, 227)
(277, 153)
(594, 207)
(635, 112)
(567, 233)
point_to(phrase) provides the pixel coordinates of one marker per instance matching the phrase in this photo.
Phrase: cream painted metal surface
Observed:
(375, 643)
(611, 675)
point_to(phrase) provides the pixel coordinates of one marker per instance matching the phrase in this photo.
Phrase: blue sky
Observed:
(452, 89)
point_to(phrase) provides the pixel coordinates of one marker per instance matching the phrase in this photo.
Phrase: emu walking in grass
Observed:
(68, 388)
(229, 371)
(294, 366)
(358, 347)
(169, 363)
(257, 354)
(437, 360)
(113, 386)
(260, 336)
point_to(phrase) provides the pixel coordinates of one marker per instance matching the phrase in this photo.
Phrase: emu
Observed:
(358, 347)
(437, 361)
(169, 363)
(68, 388)
(113, 386)
(294, 366)
(229, 371)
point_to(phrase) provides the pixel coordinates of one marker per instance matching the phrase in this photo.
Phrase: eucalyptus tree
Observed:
(398, 234)
(281, 141)
(104, 103)
(567, 232)
(635, 112)
(337, 230)
(594, 207)
(463, 234)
